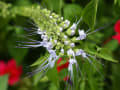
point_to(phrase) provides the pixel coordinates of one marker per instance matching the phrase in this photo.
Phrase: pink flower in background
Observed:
(117, 30)
(12, 70)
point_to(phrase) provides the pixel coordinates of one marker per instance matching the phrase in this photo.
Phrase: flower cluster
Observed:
(59, 37)
(12, 70)
(117, 30)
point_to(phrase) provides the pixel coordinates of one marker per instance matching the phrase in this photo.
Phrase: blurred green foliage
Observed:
(96, 13)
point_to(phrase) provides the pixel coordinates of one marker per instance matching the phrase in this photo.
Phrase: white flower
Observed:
(66, 23)
(52, 53)
(39, 31)
(55, 41)
(49, 45)
(73, 27)
(72, 32)
(82, 35)
(72, 61)
(66, 42)
(52, 58)
(44, 36)
(51, 16)
(65, 37)
(70, 67)
(72, 44)
(70, 52)
(61, 29)
(62, 18)
(52, 63)
(62, 50)
(45, 39)
(81, 52)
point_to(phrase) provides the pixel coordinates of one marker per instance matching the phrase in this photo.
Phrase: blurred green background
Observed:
(11, 30)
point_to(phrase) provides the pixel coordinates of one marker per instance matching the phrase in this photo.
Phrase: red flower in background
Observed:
(3, 68)
(117, 37)
(61, 67)
(117, 30)
(66, 78)
(117, 27)
(12, 70)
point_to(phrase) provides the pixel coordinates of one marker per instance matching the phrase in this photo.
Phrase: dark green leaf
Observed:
(53, 75)
(54, 5)
(112, 45)
(89, 13)
(17, 53)
(53, 87)
(40, 60)
(72, 12)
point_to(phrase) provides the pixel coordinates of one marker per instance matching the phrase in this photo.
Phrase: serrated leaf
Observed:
(4, 82)
(89, 13)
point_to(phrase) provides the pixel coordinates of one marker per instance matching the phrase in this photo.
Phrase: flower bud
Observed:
(72, 44)
(62, 50)
(66, 23)
(73, 27)
(66, 42)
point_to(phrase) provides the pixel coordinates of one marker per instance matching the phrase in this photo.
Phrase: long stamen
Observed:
(31, 45)
(79, 20)
(94, 66)
(101, 28)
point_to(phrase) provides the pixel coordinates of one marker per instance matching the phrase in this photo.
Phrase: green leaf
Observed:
(53, 75)
(103, 53)
(53, 87)
(17, 53)
(40, 60)
(72, 11)
(106, 54)
(112, 45)
(39, 78)
(89, 13)
(82, 85)
(54, 5)
(115, 1)
(4, 82)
